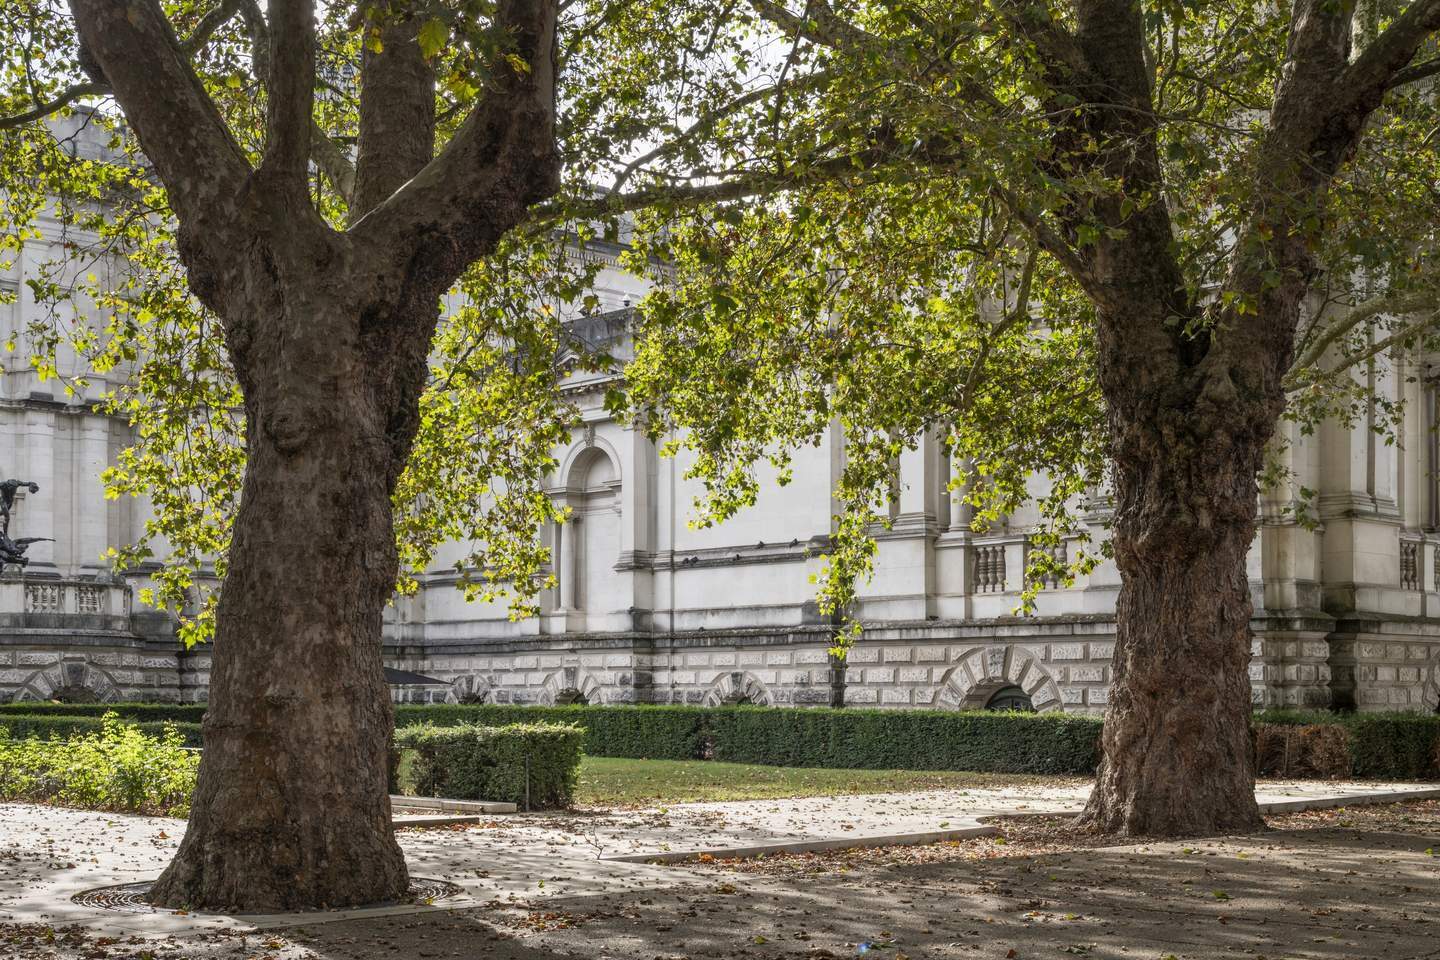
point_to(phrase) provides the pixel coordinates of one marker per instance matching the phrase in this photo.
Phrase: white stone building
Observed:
(649, 610)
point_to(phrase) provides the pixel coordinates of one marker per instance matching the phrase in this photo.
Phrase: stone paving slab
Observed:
(48, 854)
(441, 804)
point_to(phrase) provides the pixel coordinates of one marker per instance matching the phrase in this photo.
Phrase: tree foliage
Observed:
(879, 220)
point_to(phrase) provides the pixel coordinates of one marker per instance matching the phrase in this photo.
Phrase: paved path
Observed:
(48, 854)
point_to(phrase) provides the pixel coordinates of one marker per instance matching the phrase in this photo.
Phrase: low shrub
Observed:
(533, 765)
(1311, 752)
(118, 767)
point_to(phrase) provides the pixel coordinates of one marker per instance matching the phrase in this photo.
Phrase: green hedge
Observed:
(50, 726)
(1392, 746)
(142, 712)
(637, 732)
(1383, 746)
(533, 765)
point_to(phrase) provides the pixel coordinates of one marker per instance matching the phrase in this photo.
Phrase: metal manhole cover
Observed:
(130, 897)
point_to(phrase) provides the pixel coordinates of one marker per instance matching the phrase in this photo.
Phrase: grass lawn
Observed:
(610, 781)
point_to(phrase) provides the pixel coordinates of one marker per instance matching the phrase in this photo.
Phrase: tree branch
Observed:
(1385, 59)
(290, 83)
(708, 121)
(1357, 315)
(179, 128)
(1419, 71)
(397, 117)
(501, 160)
(191, 45)
(1406, 333)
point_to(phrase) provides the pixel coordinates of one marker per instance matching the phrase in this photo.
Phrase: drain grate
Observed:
(130, 897)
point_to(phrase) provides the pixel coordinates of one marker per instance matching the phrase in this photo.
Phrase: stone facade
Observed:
(649, 609)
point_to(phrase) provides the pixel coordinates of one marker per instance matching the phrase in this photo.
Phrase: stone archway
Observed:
(981, 673)
(737, 687)
(470, 688)
(68, 680)
(569, 685)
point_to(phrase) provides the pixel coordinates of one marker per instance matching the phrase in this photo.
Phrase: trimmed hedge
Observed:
(1381, 746)
(532, 765)
(637, 732)
(142, 712)
(1390, 746)
(908, 739)
(20, 726)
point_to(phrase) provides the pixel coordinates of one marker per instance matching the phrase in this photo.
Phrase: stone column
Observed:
(91, 523)
(566, 568)
(34, 514)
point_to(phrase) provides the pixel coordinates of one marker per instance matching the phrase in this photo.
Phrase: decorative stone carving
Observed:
(737, 687)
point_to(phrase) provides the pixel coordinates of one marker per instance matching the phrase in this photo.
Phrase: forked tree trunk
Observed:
(292, 808)
(1178, 759)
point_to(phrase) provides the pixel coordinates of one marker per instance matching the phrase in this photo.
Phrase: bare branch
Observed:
(1407, 333)
(1360, 313)
(60, 101)
(332, 161)
(707, 122)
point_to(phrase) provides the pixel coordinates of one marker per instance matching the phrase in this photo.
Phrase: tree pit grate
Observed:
(130, 897)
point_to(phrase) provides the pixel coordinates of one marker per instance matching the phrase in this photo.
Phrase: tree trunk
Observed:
(1178, 759)
(292, 808)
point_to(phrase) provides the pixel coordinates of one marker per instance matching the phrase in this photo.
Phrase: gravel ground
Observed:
(1351, 883)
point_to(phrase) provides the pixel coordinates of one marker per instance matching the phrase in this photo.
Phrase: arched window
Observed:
(1010, 698)
(571, 697)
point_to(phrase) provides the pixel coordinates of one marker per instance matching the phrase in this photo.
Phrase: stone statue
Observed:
(13, 551)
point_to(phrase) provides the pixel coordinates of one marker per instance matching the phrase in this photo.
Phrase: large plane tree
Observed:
(1082, 243)
(262, 207)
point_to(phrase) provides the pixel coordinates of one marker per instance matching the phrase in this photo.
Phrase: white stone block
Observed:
(863, 655)
(899, 654)
(1067, 651)
(914, 675)
(811, 656)
(930, 654)
(525, 663)
(1098, 696)
(892, 695)
(723, 659)
(880, 675)
(859, 695)
(1072, 694)
(1087, 674)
